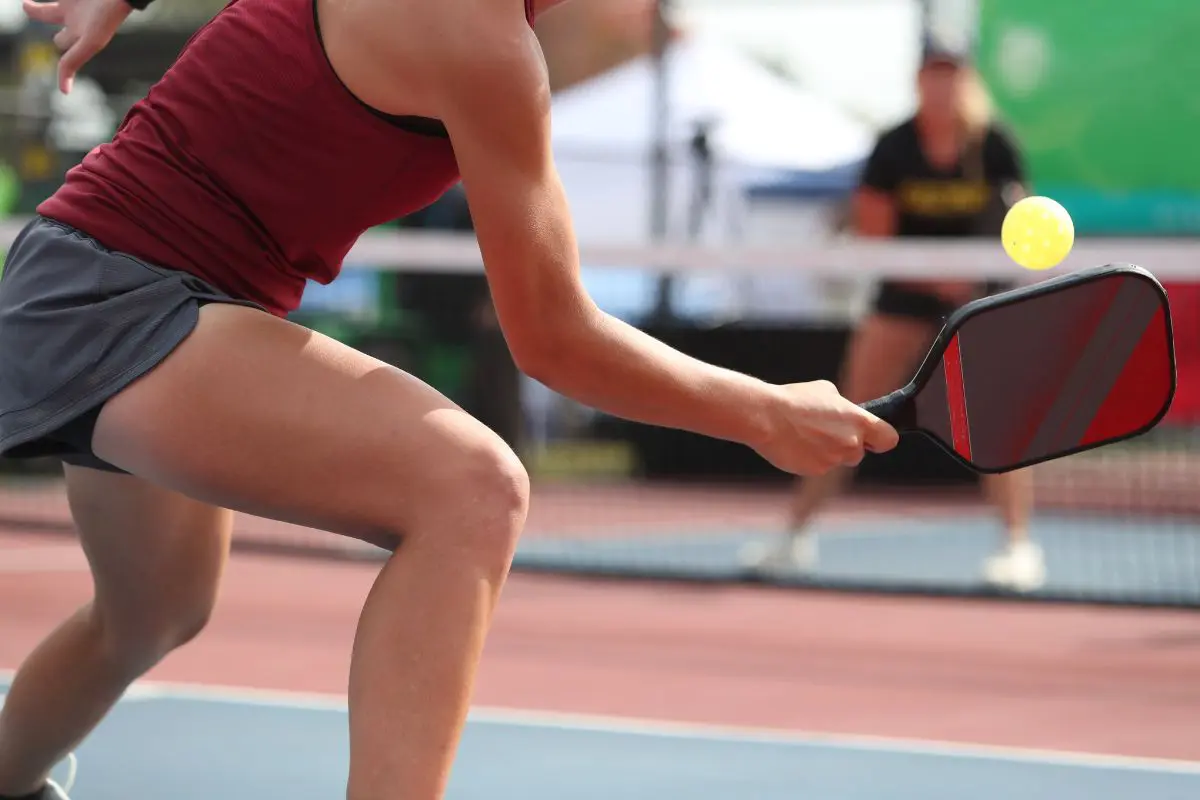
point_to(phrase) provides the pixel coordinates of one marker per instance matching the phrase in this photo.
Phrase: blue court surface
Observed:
(192, 743)
(1145, 559)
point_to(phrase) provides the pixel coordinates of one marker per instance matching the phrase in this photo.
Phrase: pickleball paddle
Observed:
(1044, 371)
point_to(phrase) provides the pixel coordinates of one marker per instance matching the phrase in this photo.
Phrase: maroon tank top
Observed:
(250, 165)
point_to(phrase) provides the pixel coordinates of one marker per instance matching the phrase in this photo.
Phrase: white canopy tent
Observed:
(762, 125)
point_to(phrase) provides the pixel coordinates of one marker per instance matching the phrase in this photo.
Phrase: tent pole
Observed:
(660, 166)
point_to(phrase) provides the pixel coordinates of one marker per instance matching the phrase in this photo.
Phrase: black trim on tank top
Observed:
(423, 126)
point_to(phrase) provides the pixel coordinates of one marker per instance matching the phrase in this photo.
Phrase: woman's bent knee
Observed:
(136, 645)
(477, 498)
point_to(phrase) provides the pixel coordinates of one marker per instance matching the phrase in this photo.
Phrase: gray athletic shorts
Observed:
(78, 323)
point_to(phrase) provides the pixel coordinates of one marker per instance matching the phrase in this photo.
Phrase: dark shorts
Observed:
(78, 323)
(901, 300)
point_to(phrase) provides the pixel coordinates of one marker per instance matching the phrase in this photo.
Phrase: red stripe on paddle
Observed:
(956, 399)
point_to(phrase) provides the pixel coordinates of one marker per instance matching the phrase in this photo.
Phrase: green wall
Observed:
(1103, 95)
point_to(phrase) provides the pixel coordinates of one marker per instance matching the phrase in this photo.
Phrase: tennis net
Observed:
(613, 499)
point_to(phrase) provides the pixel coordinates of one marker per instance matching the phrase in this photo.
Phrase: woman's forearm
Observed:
(609, 365)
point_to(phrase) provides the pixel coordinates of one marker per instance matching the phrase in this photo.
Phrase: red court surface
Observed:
(1114, 681)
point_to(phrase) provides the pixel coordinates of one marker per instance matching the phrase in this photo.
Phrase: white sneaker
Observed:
(789, 553)
(55, 792)
(1019, 566)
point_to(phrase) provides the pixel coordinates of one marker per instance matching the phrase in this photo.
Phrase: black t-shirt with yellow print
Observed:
(966, 200)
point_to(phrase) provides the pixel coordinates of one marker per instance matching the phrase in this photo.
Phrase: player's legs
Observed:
(880, 357)
(875, 365)
(1019, 564)
(156, 559)
(1012, 495)
(253, 413)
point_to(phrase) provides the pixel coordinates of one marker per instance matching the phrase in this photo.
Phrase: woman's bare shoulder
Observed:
(418, 56)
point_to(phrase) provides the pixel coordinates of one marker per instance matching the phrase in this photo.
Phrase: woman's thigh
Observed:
(263, 416)
(883, 355)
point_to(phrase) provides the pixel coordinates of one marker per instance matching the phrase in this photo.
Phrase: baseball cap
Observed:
(938, 51)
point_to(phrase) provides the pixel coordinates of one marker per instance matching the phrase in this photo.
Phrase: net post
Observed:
(660, 157)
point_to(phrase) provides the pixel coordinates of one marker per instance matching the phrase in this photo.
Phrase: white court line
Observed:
(664, 729)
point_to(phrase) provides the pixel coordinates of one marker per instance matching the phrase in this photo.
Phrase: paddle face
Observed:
(1045, 371)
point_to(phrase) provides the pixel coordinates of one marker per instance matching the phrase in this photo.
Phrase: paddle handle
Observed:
(895, 408)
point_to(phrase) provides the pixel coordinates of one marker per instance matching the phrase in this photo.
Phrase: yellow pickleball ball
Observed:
(1038, 233)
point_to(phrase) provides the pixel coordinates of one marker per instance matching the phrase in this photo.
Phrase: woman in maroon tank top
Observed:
(172, 396)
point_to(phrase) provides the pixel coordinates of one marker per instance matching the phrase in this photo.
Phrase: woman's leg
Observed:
(1019, 564)
(1012, 495)
(156, 559)
(259, 415)
(881, 356)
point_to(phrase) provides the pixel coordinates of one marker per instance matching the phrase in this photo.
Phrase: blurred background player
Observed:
(948, 171)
